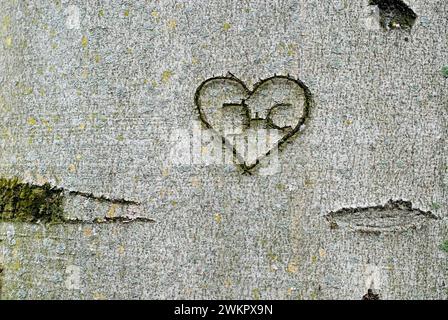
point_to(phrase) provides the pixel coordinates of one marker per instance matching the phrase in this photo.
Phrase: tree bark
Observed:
(99, 201)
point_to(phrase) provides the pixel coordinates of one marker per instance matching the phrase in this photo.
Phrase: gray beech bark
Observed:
(111, 113)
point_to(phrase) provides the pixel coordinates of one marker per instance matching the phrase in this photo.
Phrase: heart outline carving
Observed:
(307, 105)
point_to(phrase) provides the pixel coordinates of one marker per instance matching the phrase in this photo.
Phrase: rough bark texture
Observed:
(357, 208)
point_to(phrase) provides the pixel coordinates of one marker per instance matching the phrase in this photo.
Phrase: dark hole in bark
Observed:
(1, 281)
(370, 295)
(395, 14)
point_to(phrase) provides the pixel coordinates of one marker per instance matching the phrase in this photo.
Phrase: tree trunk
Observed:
(114, 181)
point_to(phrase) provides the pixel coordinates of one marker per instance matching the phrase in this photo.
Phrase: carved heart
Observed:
(253, 122)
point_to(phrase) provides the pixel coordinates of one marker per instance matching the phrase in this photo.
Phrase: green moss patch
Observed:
(445, 71)
(444, 246)
(25, 202)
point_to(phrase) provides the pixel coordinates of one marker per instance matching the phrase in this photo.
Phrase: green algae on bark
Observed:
(444, 246)
(24, 202)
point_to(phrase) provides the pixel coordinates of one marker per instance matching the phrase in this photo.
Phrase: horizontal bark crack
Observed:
(395, 215)
(32, 203)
